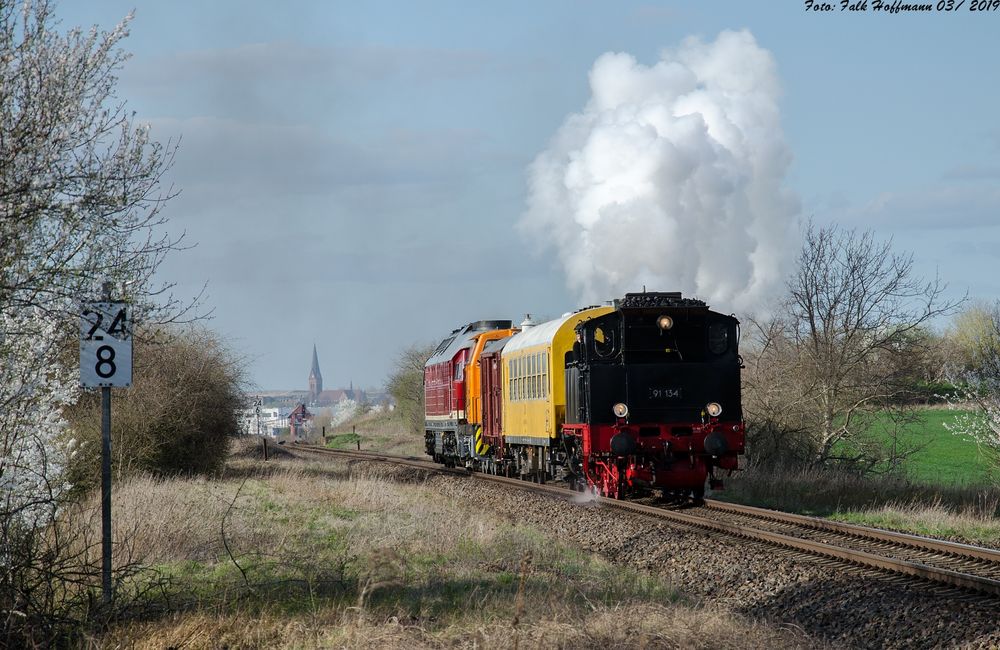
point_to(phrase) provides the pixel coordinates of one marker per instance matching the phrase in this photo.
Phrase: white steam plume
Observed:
(671, 178)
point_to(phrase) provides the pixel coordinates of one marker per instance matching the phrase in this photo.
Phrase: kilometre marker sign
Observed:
(105, 345)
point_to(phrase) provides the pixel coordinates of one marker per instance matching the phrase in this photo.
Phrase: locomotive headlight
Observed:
(620, 410)
(664, 322)
(714, 409)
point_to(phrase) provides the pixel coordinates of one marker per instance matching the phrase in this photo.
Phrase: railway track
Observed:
(933, 561)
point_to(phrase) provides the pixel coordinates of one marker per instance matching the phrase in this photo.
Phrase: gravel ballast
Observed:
(827, 601)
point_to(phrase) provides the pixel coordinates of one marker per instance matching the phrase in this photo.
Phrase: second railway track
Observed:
(933, 561)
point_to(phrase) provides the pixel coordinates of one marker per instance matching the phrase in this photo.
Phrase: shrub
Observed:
(176, 418)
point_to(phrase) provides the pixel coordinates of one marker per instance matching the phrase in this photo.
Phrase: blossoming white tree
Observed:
(33, 391)
(978, 398)
(80, 195)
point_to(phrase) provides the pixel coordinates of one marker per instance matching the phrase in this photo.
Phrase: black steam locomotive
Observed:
(641, 394)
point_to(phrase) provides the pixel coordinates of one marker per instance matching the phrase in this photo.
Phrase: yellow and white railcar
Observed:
(534, 378)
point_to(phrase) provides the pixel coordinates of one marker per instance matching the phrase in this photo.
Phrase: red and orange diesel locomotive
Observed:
(637, 395)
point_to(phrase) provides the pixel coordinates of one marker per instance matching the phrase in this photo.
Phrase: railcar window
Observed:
(527, 377)
(517, 379)
(523, 390)
(531, 377)
(538, 375)
(534, 376)
(520, 378)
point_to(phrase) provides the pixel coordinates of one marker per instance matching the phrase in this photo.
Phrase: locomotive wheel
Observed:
(698, 494)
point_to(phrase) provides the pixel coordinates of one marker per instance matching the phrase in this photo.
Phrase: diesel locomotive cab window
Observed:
(718, 338)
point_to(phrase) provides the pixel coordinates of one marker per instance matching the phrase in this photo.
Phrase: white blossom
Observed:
(343, 411)
(34, 388)
(978, 419)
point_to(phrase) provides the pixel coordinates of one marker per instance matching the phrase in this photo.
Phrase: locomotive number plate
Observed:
(664, 393)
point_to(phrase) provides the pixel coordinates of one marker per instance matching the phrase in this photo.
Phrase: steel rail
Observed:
(811, 547)
(905, 539)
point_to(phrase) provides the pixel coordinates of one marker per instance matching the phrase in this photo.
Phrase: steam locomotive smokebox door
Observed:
(715, 444)
(623, 444)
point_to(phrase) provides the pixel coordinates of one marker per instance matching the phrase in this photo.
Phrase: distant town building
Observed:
(265, 421)
(315, 379)
(299, 422)
(337, 395)
(319, 397)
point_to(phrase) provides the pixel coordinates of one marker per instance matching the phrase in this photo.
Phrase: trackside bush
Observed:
(177, 417)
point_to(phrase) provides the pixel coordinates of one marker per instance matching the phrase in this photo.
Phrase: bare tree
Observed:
(974, 339)
(845, 348)
(406, 385)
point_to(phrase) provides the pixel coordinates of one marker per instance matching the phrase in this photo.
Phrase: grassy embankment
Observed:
(944, 489)
(377, 431)
(295, 554)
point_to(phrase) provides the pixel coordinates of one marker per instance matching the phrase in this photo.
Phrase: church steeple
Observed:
(315, 379)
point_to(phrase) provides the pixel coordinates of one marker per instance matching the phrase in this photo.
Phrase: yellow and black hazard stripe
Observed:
(481, 446)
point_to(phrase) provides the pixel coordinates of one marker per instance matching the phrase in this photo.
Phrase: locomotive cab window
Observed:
(718, 338)
(604, 339)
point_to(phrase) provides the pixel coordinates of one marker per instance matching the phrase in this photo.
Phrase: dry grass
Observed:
(970, 524)
(604, 627)
(320, 557)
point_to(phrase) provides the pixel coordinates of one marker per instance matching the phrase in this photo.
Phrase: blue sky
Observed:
(342, 164)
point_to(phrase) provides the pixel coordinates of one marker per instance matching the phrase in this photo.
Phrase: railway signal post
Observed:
(105, 362)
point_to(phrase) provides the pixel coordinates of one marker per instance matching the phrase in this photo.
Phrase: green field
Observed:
(943, 458)
(940, 457)
(343, 441)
